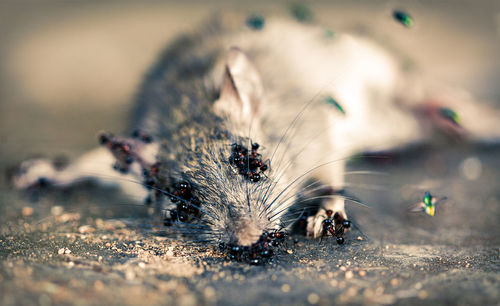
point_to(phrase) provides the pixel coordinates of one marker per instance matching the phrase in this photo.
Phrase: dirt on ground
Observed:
(90, 246)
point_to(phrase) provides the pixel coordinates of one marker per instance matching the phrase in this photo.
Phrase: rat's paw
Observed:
(315, 224)
(33, 173)
(332, 210)
(126, 151)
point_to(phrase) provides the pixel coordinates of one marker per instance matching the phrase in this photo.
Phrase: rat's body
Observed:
(219, 90)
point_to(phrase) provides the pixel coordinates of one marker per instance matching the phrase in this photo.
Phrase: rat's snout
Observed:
(248, 234)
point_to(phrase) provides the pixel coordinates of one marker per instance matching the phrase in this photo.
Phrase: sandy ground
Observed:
(96, 248)
(69, 70)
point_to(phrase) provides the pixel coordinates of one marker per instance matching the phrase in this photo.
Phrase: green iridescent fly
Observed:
(428, 204)
(301, 12)
(330, 34)
(337, 105)
(256, 22)
(403, 18)
(449, 114)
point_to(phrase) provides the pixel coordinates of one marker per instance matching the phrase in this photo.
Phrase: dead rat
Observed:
(233, 122)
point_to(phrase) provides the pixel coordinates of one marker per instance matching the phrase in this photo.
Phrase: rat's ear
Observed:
(241, 90)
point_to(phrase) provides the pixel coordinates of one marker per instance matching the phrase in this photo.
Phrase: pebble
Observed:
(362, 273)
(470, 168)
(209, 293)
(56, 210)
(62, 251)
(422, 294)
(187, 300)
(360, 238)
(379, 290)
(27, 211)
(98, 285)
(394, 282)
(68, 217)
(44, 300)
(351, 291)
(285, 288)
(86, 229)
(129, 275)
(313, 298)
(99, 223)
(349, 275)
(289, 251)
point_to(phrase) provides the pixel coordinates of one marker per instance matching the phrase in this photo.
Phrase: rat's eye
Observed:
(183, 185)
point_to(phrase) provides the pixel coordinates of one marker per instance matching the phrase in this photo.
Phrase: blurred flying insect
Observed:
(256, 22)
(403, 18)
(301, 12)
(449, 115)
(332, 101)
(428, 204)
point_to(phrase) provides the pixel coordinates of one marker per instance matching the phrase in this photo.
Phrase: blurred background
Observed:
(69, 69)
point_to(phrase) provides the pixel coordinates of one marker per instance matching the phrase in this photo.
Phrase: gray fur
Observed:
(203, 95)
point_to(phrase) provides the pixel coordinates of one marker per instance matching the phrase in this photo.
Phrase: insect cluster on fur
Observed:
(259, 252)
(249, 164)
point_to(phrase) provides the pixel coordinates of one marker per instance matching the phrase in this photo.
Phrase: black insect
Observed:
(144, 137)
(259, 252)
(249, 163)
(121, 150)
(151, 176)
(188, 205)
(335, 226)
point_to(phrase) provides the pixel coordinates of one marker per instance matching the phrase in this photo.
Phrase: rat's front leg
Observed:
(332, 201)
(104, 166)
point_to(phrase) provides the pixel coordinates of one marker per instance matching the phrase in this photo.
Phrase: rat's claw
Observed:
(315, 224)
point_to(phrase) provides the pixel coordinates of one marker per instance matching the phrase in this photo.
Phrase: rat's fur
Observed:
(233, 84)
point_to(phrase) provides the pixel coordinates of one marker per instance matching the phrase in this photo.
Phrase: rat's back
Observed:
(332, 95)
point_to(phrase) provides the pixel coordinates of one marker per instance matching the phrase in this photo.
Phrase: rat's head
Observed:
(230, 177)
(236, 210)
